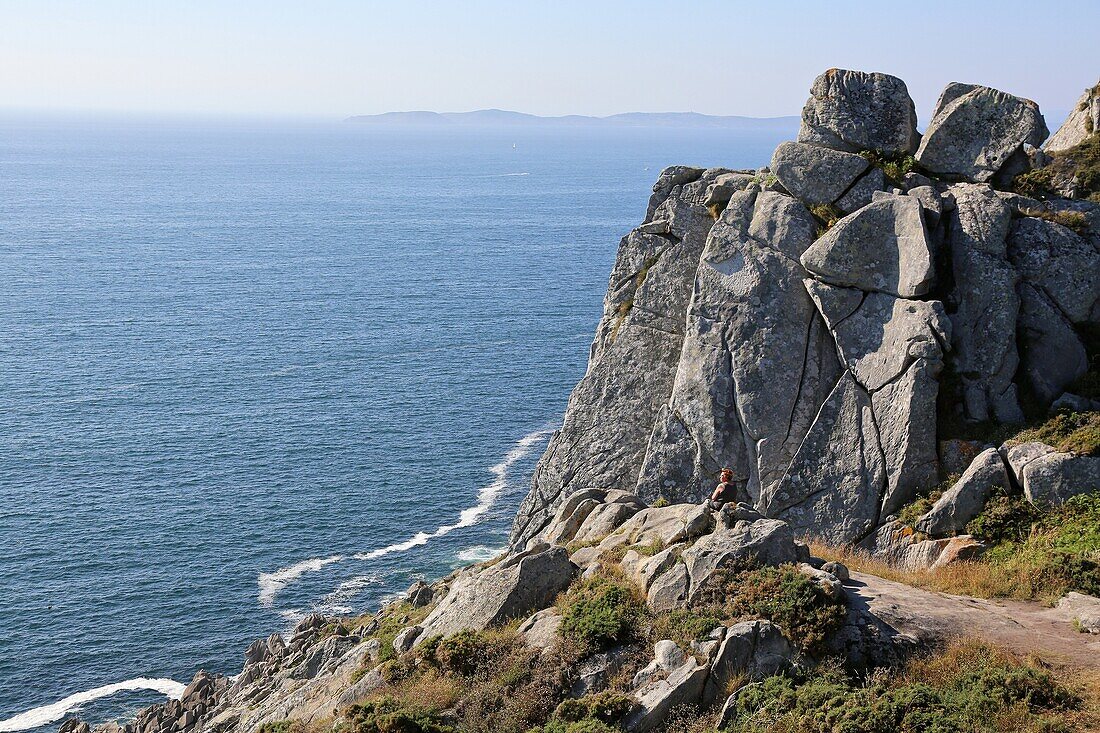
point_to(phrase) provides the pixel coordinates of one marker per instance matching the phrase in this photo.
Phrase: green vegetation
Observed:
(970, 688)
(601, 611)
(1074, 220)
(590, 714)
(920, 506)
(893, 167)
(1070, 432)
(386, 626)
(783, 595)
(826, 215)
(1057, 550)
(1081, 162)
(387, 715)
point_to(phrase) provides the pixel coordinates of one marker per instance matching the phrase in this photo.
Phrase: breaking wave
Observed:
(271, 583)
(49, 713)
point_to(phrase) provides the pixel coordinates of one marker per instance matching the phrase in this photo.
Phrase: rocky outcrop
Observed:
(854, 111)
(512, 589)
(633, 359)
(979, 134)
(808, 358)
(1055, 477)
(967, 497)
(1085, 610)
(1082, 122)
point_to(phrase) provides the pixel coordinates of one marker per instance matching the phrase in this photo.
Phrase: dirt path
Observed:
(1022, 626)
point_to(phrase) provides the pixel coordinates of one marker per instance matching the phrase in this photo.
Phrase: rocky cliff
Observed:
(835, 327)
(822, 324)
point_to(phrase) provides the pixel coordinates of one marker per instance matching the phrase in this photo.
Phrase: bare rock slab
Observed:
(882, 247)
(816, 175)
(857, 110)
(975, 131)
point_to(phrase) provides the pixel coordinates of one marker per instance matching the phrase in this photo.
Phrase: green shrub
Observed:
(826, 216)
(462, 653)
(1060, 545)
(1004, 519)
(1081, 162)
(1071, 432)
(387, 715)
(893, 167)
(970, 688)
(589, 714)
(685, 625)
(601, 611)
(788, 598)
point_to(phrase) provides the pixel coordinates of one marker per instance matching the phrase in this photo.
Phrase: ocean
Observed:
(254, 369)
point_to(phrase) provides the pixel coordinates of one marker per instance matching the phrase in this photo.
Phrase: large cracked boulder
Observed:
(855, 110)
(883, 247)
(967, 497)
(1053, 356)
(1083, 121)
(983, 326)
(1055, 477)
(755, 364)
(977, 131)
(816, 175)
(895, 349)
(751, 650)
(633, 360)
(517, 586)
(1059, 262)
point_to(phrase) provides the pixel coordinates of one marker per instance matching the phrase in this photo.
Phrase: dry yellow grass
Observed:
(1018, 579)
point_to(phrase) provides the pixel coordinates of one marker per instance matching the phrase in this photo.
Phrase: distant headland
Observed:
(505, 118)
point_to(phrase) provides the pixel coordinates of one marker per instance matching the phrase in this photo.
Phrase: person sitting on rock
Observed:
(725, 492)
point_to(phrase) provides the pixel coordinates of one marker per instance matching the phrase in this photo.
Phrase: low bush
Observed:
(601, 611)
(1081, 162)
(387, 715)
(893, 166)
(685, 625)
(782, 595)
(970, 688)
(1070, 432)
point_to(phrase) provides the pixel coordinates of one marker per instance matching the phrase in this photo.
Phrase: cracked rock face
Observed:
(1082, 122)
(856, 110)
(976, 132)
(739, 332)
(882, 246)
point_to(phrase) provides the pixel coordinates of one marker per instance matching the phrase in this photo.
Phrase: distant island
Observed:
(505, 118)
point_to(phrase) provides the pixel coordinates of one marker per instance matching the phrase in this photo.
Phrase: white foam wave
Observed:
(486, 497)
(273, 582)
(336, 601)
(58, 710)
(478, 553)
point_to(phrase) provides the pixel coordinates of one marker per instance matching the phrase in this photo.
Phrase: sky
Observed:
(334, 58)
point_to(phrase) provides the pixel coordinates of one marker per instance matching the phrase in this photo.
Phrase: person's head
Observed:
(727, 475)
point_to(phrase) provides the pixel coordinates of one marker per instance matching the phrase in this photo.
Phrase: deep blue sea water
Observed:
(248, 370)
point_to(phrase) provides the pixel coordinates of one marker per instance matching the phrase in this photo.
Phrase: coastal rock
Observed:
(983, 326)
(1053, 478)
(862, 191)
(1053, 356)
(1059, 263)
(967, 497)
(765, 542)
(540, 630)
(975, 131)
(815, 175)
(511, 589)
(1082, 122)
(1085, 610)
(752, 650)
(855, 110)
(1019, 455)
(633, 360)
(754, 365)
(683, 686)
(881, 247)
(837, 480)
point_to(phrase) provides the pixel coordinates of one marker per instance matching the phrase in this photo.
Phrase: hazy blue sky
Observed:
(328, 57)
